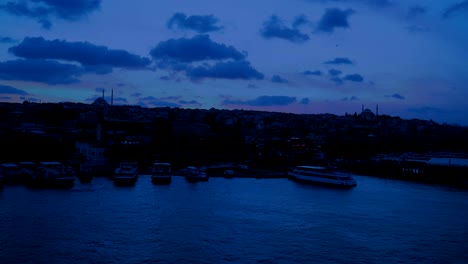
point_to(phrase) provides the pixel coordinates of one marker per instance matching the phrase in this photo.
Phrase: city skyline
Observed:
(301, 56)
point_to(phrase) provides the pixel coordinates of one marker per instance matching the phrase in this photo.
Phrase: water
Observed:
(235, 221)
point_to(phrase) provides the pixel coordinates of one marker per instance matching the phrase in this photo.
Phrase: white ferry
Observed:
(322, 175)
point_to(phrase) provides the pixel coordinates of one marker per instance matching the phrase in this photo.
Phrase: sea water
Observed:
(238, 220)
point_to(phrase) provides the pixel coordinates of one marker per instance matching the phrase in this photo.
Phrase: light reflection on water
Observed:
(235, 221)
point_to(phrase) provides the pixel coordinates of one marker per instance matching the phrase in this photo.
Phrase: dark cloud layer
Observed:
(455, 8)
(334, 72)
(334, 18)
(200, 24)
(300, 20)
(7, 40)
(373, 3)
(353, 78)
(417, 29)
(316, 73)
(5, 89)
(198, 48)
(336, 80)
(82, 52)
(156, 102)
(225, 70)
(278, 79)
(352, 98)
(427, 110)
(275, 28)
(263, 101)
(43, 10)
(338, 61)
(416, 10)
(396, 96)
(44, 71)
(200, 58)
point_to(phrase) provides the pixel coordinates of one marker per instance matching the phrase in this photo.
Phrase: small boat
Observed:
(322, 175)
(228, 173)
(52, 174)
(161, 173)
(12, 173)
(194, 174)
(126, 173)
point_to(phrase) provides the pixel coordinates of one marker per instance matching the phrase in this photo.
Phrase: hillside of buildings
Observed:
(76, 132)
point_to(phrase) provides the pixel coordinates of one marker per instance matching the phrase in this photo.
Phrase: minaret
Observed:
(362, 110)
(102, 93)
(112, 97)
(377, 110)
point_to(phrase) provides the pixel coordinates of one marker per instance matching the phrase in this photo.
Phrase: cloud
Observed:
(275, 28)
(217, 60)
(278, 79)
(263, 101)
(352, 98)
(198, 48)
(373, 3)
(396, 96)
(305, 101)
(7, 40)
(171, 98)
(316, 73)
(224, 70)
(417, 29)
(156, 102)
(43, 10)
(354, 78)
(427, 110)
(120, 100)
(334, 72)
(191, 102)
(300, 20)
(5, 89)
(82, 52)
(98, 69)
(30, 99)
(44, 71)
(6, 98)
(336, 80)
(416, 10)
(252, 86)
(338, 61)
(334, 18)
(200, 24)
(455, 8)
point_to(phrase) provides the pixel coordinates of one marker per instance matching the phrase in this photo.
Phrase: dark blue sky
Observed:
(300, 56)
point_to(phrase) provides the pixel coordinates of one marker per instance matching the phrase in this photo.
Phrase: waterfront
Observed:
(235, 221)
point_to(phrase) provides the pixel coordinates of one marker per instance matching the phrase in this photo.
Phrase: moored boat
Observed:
(161, 173)
(126, 173)
(52, 174)
(194, 174)
(12, 173)
(322, 175)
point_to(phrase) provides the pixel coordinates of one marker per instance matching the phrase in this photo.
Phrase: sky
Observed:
(409, 57)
